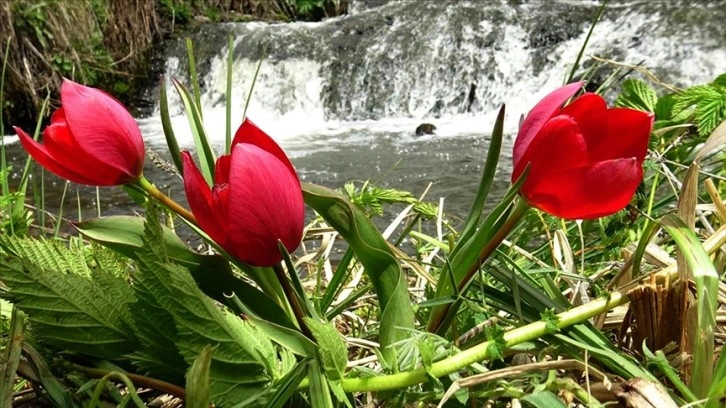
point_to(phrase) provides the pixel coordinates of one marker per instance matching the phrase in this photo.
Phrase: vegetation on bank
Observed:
(110, 43)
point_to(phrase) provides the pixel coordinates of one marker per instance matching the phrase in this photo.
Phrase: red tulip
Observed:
(586, 160)
(92, 139)
(256, 199)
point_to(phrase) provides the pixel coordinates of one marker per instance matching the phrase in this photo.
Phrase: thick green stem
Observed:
(484, 350)
(145, 185)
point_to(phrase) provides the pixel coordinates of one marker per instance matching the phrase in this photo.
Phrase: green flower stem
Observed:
(484, 350)
(293, 299)
(145, 185)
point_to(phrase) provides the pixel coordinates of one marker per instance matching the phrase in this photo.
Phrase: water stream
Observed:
(344, 96)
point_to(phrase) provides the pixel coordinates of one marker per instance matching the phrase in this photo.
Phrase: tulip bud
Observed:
(256, 199)
(586, 160)
(92, 139)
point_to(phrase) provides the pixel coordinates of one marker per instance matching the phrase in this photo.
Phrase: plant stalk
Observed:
(293, 299)
(484, 350)
(145, 185)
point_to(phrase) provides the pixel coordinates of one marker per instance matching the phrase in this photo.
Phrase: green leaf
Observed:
(244, 360)
(489, 170)
(377, 258)
(710, 113)
(213, 274)
(331, 348)
(171, 143)
(283, 389)
(319, 390)
(198, 380)
(291, 339)
(549, 316)
(543, 399)
(638, 95)
(707, 288)
(70, 304)
(204, 152)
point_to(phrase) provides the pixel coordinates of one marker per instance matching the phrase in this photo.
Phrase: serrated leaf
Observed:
(331, 348)
(710, 113)
(67, 303)
(213, 274)
(244, 360)
(637, 94)
(691, 96)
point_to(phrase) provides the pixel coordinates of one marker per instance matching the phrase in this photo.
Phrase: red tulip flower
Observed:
(92, 139)
(586, 160)
(256, 199)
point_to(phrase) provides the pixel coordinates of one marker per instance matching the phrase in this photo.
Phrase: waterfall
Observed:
(448, 62)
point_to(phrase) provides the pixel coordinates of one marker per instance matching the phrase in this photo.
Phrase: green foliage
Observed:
(376, 256)
(707, 104)
(80, 290)
(243, 360)
(637, 94)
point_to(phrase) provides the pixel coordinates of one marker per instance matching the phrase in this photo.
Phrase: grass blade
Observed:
(707, 281)
(487, 177)
(171, 142)
(204, 151)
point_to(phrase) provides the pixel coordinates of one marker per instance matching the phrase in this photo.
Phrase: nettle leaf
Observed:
(637, 94)
(331, 348)
(243, 361)
(710, 113)
(707, 103)
(71, 302)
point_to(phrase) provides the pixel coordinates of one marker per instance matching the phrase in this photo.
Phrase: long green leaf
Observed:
(204, 151)
(466, 254)
(489, 170)
(380, 264)
(171, 143)
(707, 281)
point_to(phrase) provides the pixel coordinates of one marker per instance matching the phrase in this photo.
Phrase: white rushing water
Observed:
(407, 65)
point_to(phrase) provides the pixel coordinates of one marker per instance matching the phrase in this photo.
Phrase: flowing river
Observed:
(344, 96)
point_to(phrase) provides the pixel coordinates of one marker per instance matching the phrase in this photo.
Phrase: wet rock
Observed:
(425, 129)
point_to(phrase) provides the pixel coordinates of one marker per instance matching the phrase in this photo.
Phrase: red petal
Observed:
(248, 132)
(103, 128)
(199, 196)
(62, 146)
(266, 205)
(221, 169)
(587, 192)
(559, 145)
(591, 114)
(628, 133)
(539, 115)
(38, 152)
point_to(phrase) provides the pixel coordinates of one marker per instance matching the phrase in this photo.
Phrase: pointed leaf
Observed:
(377, 258)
